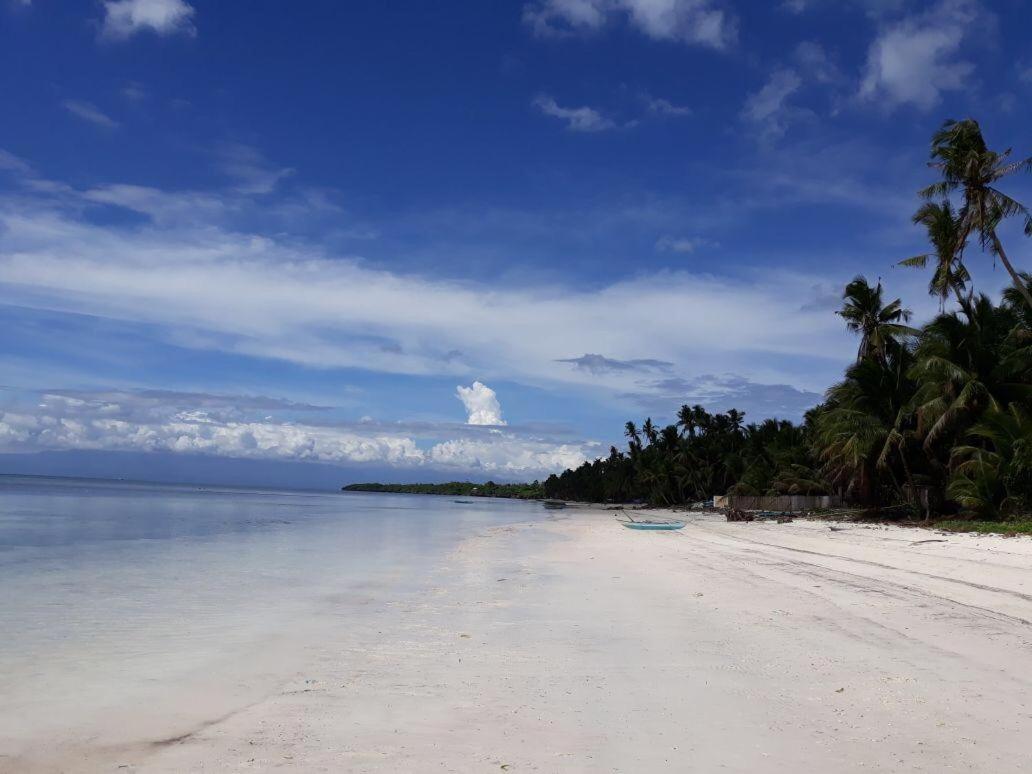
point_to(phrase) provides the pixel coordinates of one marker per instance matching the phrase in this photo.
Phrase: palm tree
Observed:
(1015, 300)
(735, 418)
(993, 474)
(633, 441)
(632, 434)
(960, 153)
(944, 233)
(686, 420)
(649, 430)
(966, 367)
(898, 440)
(878, 326)
(855, 424)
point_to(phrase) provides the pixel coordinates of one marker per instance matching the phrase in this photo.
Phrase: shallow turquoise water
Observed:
(118, 590)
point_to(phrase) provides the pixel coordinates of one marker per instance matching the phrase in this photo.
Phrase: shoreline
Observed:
(572, 644)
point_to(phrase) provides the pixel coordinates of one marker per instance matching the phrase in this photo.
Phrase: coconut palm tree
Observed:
(900, 439)
(1015, 300)
(855, 424)
(879, 326)
(945, 235)
(964, 368)
(649, 430)
(960, 153)
(735, 419)
(993, 474)
(686, 420)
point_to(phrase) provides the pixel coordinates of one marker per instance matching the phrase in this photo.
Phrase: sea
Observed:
(120, 599)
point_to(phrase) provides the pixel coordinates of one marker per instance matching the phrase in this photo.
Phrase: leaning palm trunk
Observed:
(1015, 277)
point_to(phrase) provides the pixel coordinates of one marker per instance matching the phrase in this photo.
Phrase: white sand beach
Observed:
(574, 645)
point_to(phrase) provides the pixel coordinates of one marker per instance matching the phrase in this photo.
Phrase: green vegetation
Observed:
(936, 420)
(532, 491)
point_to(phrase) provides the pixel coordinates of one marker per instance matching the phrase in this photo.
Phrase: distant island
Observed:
(533, 491)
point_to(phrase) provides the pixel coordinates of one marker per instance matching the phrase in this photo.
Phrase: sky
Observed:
(320, 242)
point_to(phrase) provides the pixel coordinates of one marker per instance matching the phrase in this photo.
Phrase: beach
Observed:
(571, 644)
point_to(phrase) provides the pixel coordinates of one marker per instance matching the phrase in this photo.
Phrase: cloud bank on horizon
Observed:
(593, 240)
(243, 428)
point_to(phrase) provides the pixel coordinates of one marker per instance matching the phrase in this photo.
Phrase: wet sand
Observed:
(574, 645)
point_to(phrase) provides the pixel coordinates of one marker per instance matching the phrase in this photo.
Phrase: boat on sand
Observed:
(650, 524)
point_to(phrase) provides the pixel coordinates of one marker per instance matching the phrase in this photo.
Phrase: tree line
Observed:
(936, 419)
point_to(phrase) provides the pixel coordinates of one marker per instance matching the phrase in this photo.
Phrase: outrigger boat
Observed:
(667, 525)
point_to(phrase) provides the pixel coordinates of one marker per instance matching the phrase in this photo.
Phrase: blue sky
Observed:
(286, 233)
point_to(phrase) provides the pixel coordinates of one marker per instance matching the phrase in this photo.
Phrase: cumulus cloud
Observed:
(697, 22)
(507, 455)
(235, 427)
(125, 18)
(481, 404)
(89, 112)
(580, 119)
(916, 59)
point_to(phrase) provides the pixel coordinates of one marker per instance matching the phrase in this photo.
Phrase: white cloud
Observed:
(699, 22)
(11, 163)
(481, 404)
(188, 279)
(165, 422)
(514, 458)
(768, 108)
(252, 295)
(164, 208)
(87, 111)
(249, 167)
(581, 119)
(771, 110)
(124, 18)
(915, 60)
(873, 8)
(665, 107)
(815, 63)
(134, 91)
